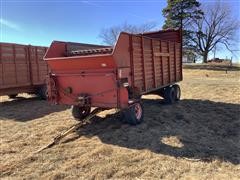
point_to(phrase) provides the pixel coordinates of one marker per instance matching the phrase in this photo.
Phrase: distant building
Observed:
(219, 60)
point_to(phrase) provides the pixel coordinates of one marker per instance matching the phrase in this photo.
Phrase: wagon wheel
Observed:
(177, 92)
(169, 95)
(160, 92)
(42, 92)
(79, 113)
(134, 114)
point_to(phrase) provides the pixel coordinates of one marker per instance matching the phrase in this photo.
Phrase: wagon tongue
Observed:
(90, 52)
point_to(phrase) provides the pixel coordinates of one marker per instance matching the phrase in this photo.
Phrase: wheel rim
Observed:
(138, 111)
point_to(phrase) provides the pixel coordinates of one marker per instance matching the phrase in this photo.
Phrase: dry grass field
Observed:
(196, 138)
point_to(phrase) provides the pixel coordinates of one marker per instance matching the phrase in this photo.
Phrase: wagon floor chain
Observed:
(73, 128)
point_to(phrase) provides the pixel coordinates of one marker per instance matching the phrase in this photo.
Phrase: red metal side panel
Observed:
(104, 95)
(121, 51)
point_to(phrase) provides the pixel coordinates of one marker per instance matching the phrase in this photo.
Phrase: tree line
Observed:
(203, 26)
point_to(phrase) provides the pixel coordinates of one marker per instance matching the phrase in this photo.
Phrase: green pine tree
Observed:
(179, 14)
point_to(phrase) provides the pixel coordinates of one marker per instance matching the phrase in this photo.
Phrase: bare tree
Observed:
(109, 35)
(217, 26)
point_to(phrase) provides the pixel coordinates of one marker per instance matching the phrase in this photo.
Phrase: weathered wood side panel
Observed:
(21, 66)
(156, 62)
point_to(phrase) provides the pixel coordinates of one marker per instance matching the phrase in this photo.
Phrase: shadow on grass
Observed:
(207, 130)
(26, 109)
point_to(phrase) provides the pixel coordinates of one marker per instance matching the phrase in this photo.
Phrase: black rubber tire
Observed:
(12, 96)
(160, 92)
(169, 95)
(42, 92)
(177, 92)
(131, 114)
(79, 113)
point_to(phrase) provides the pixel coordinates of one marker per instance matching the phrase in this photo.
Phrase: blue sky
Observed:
(41, 21)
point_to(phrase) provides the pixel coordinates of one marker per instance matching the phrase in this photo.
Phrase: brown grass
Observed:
(197, 138)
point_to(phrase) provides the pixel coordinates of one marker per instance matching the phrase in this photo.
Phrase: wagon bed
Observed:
(86, 75)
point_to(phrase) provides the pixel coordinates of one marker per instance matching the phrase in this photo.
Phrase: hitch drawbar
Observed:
(71, 129)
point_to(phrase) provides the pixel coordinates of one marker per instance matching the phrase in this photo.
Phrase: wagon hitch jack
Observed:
(73, 128)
